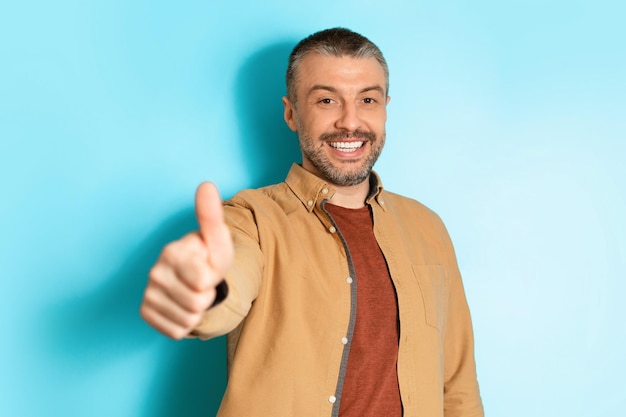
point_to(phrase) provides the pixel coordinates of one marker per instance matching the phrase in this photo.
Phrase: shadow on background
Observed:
(101, 327)
(270, 146)
(193, 384)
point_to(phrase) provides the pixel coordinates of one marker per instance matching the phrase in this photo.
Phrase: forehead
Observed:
(343, 72)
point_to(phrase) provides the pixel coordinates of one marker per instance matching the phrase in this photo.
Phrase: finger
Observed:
(185, 260)
(163, 323)
(213, 230)
(162, 314)
(192, 287)
(209, 211)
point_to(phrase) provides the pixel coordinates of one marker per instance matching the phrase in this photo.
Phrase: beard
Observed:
(349, 172)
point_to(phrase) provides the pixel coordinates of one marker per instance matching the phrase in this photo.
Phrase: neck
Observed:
(352, 197)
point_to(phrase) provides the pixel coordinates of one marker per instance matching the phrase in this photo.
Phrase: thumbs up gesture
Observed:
(182, 283)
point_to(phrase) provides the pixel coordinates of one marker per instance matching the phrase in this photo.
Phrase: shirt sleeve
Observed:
(461, 392)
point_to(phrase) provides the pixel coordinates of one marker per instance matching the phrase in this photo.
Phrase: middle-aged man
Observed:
(339, 298)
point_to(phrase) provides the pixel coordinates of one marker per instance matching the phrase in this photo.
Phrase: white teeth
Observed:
(346, 146)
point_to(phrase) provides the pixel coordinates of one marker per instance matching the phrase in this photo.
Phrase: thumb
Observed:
(213, 230)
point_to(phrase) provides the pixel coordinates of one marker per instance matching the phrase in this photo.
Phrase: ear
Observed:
(290, 114)
(388, 99)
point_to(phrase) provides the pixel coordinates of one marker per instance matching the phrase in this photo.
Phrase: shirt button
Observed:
(310, 203)
(344, 340)
(325, 191)
(332, 229)
(382, 203)
(349, 280)
(332, 399)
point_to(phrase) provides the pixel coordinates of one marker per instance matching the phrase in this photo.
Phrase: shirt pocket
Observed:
(431, 281)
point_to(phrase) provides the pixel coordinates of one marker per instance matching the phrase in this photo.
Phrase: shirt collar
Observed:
(311, 190)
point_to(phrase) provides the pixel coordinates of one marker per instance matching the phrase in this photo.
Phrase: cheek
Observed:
(317, 126)
(382, 119)
(376, 122)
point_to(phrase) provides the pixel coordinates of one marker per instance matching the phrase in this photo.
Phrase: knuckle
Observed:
(190, 321)
(169, 331)
(145, 313)
(169, 253)
(198, 303)
(150, 296)
(156, 274)
(152, 318)
(154, 271)
(176, 251)
(178, 333)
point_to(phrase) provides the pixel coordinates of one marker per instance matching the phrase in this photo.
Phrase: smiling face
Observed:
(339, 115)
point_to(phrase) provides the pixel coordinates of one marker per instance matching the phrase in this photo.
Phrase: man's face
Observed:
(339, 115)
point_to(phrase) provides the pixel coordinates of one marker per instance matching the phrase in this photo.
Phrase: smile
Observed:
(346, 146)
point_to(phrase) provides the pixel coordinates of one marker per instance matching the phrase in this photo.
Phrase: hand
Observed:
(181, 285)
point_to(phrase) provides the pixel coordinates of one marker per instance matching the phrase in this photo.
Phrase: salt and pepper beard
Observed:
(312, 149)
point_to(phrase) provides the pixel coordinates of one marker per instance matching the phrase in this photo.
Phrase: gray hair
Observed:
(332, 42)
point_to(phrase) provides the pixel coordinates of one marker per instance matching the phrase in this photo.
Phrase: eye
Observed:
(326, 101)
(369, 100)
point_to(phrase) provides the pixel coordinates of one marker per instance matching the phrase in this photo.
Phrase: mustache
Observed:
(357, 134)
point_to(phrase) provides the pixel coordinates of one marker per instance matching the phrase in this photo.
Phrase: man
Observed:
(339, 298)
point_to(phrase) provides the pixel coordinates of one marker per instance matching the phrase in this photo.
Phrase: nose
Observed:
(349, 119)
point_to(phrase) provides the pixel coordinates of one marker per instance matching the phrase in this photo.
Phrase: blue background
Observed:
(507, 118)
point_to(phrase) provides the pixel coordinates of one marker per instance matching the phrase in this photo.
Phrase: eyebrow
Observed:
(334, 90)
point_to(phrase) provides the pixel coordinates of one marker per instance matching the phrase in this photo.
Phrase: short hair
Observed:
(332, 42)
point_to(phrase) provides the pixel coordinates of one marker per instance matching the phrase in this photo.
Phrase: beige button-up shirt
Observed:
(292, 304)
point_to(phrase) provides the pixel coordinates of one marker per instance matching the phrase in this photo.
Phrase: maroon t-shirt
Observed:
(371, 383)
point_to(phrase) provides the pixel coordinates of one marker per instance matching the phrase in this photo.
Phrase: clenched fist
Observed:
(182, 283)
